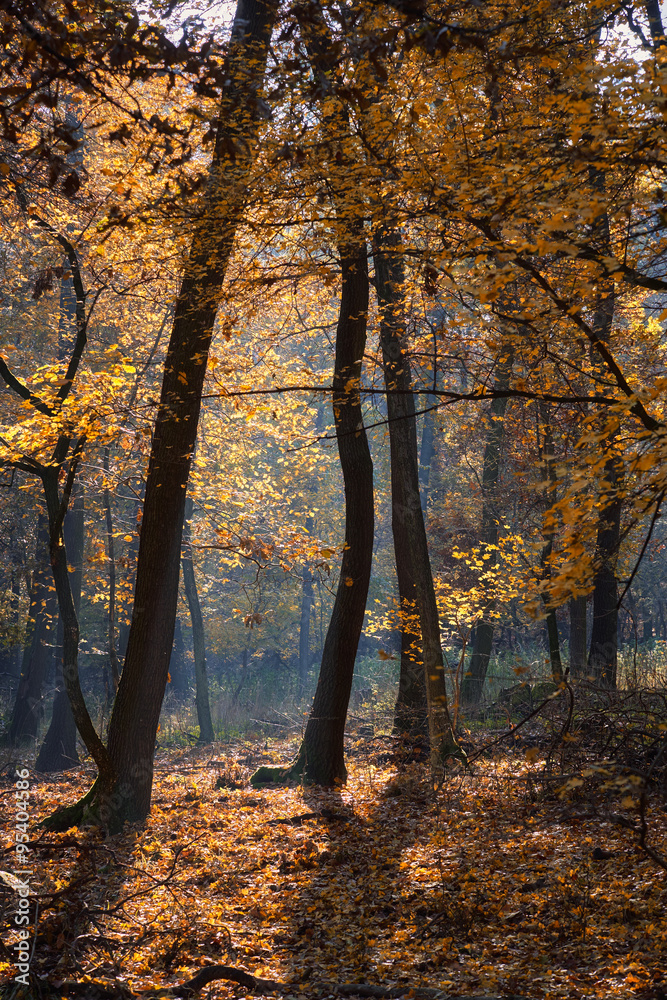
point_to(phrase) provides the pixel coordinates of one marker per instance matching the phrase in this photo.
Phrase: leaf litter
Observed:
(496, 883)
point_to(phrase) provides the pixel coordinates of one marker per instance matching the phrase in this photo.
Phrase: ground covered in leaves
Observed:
(506, 881)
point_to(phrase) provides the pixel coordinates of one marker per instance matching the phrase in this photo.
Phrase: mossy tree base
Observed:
(80, 812)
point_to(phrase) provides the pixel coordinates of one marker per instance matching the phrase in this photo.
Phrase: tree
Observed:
(123, 792)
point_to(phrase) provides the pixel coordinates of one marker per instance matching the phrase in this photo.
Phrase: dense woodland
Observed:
(332, 447)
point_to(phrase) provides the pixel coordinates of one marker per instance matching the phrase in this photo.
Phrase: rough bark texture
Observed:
(473, 682)
(58, 751)
(578, 641)
(38, 651)
(134, 720)
(206, 734)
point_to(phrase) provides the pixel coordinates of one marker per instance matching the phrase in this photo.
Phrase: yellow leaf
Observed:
(349, 581)
(532, 754)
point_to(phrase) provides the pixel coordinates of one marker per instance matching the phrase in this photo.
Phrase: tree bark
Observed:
(407, 519)
(473, 681)
(578, 638)
(206, 734)
(58, 751)
(321, 758)
(125, 793)
(603, 652)
(413, 564)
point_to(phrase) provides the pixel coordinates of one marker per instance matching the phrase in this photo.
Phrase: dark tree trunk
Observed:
(206, 734)
(58, 751)
(578, 638)
(655, 23)
(603, 652)
(407, 519)
(321, 758)
(38, 651)
(70, 651)
(473, 682)
(125, 794)
(413, 564)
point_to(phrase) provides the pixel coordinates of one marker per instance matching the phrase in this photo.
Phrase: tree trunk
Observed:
(578, 639)
(126, 794)
(427, 451)
(58, 751)
(321, 758)
(38, 650)
(206, 734)
(473, 682)
(407, 518)
(603, 652)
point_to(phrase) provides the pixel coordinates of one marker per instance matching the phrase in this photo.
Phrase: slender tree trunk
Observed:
(410, 544)
(407, 519)
(206, 734)
(321, 758)
(427, 452)
(38, 650)
(603, 652)
(70, 622)
(473, 682)
(58, 751)
(124, 792)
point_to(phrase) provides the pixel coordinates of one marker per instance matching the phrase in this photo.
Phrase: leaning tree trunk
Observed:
(321, 758)
(38, 650)
(134, 720)
(58, 751)
(473, 682)
(206, 734)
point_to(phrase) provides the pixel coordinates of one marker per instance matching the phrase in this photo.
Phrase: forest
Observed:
(333, 453)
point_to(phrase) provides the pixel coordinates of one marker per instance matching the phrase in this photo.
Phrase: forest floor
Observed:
(502, 882)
